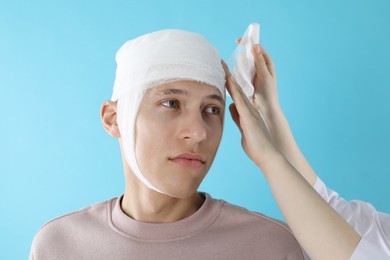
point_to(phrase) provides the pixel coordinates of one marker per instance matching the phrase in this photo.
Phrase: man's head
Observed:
(187, 69)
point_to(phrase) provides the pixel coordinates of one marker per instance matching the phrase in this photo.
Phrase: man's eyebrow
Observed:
(185, 92)
(218, 98)
(173, 91)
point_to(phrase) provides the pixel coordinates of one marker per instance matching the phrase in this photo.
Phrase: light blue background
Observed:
(57, 67)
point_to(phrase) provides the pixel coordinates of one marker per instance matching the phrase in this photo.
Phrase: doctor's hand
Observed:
(255, 137)
(265, 96)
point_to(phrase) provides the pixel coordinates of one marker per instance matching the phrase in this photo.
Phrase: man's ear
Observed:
(108, 117)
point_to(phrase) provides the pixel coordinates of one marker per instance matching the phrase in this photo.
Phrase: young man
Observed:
(167, 112)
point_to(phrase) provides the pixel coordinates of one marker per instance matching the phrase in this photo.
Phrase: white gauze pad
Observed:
(151, 60)
(241, 62)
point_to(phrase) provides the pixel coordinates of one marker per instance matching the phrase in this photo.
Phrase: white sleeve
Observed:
(372, 226)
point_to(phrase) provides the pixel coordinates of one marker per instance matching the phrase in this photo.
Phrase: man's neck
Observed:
(146, 205)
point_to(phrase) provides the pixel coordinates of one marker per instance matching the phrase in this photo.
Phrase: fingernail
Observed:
(257, 49)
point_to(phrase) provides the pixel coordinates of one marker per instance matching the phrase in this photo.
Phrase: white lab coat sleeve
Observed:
(372, 226)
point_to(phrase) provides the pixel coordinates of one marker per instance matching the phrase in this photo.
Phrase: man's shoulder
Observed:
(88, 213)
(241, 214)
(264, 235)
(60, 236)
(259, 226)
(75, 222)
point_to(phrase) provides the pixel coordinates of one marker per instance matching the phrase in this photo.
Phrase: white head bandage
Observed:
(242, 63)
(151, 60)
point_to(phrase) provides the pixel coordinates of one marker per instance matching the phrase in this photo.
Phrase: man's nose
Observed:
(193, 128)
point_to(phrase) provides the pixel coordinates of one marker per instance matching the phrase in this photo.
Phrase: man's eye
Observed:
(213, 110)
(171, 103)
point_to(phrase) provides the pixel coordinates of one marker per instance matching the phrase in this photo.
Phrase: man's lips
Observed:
(190, 160)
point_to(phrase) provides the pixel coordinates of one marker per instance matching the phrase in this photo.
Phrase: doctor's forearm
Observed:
(284, 140)
(322, 232)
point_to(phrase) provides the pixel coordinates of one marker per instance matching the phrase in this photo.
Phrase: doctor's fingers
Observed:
(243, 104)
(263, 61)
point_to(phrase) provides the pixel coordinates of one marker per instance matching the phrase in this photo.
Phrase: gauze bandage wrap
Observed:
(241, 62)
(151, 60)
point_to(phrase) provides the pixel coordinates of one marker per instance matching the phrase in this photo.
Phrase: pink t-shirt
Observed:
(218, 230)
